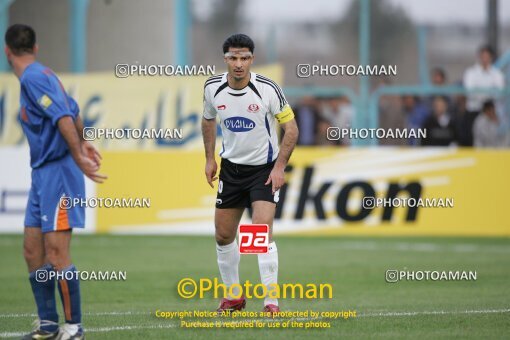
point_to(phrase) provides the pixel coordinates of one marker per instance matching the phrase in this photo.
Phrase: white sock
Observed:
(268, 267)
(228, 262)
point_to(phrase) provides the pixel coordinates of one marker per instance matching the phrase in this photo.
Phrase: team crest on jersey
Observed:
(239, 124)
(253, 108)
(44, 101)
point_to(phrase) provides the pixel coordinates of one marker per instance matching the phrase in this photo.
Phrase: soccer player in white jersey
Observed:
(249, 106)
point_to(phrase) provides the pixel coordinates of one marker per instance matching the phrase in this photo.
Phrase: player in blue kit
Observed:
(59, 157)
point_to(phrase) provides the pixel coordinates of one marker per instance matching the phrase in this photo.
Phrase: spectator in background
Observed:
(322, 133)
(307, 120)
(440, 127)
(391, 113)
(464, 121)
(487, 129)
(416, 113)
(346, 116)
(338, 112)
(482, 75)
(438, 78)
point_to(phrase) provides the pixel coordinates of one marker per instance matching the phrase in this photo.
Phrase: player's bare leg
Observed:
(226, 223)
(57, 247)
(33, 248)
(263, 213)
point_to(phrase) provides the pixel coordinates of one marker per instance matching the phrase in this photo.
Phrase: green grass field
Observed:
(355, 266)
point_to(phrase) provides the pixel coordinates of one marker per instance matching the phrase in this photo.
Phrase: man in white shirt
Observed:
(482, 75)
(249, 106)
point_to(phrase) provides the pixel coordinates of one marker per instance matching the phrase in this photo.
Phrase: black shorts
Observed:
(240, 185)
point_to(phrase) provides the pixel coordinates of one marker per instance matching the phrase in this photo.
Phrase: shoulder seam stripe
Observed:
(254, 89)
(277, 93)
(221, 88)
(212, 82)
(214, 77)
(280, 98)
(267, 79)
(272, 82)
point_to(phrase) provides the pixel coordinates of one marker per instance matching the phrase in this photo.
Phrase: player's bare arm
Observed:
(209, 136)
(277, 175)
(88, 148)
(67, 128)
(78, 122)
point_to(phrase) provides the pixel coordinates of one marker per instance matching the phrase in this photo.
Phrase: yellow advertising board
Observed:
(136, 102)
(465, 189)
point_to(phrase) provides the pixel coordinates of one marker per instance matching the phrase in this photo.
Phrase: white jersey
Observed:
(247, 118)
(477, 77)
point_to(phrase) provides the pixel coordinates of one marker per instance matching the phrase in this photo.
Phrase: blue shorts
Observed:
(51, 182)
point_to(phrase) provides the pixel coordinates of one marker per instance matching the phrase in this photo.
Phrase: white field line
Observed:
(27, 315)
(173, 325)
(99, 330)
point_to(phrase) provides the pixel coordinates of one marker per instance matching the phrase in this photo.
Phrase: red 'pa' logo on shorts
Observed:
(253, 238)
(253, 108)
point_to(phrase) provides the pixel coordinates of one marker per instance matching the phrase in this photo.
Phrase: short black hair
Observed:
(238, 40)
(488, 105)
(487, 48)
(20, 39)
(440, 71)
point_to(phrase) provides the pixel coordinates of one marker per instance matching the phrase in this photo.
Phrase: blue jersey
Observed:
(43, 102)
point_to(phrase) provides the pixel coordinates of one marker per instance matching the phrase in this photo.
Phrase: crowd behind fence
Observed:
(473, 111)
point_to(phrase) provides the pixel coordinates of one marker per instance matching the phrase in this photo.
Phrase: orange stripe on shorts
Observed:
(62, 220)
